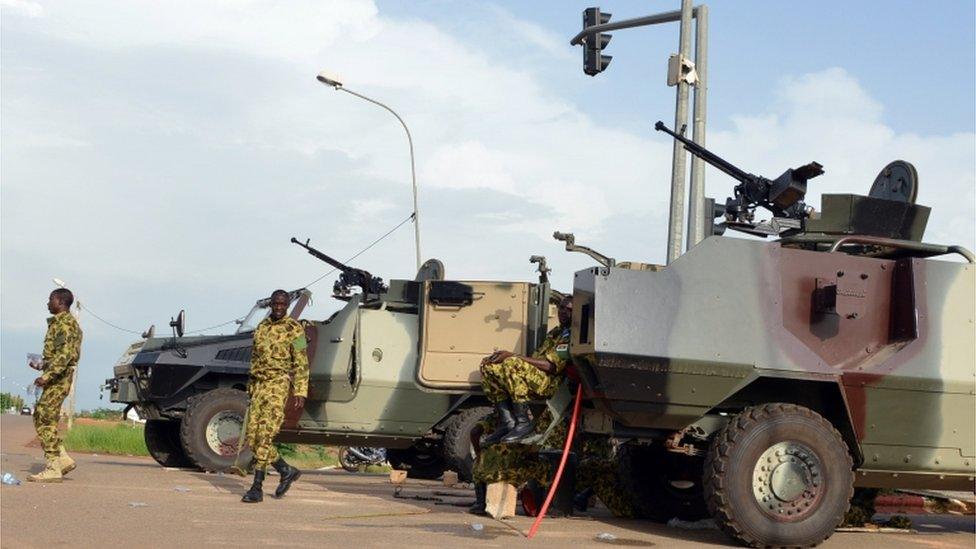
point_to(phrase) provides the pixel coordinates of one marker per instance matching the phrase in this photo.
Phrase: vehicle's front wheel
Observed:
(458, 454)
(211, 428)
(162, 438)
(778, 475)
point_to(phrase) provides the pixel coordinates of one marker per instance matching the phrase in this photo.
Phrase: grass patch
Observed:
(107, 438)
(126, 438)
(305, 456)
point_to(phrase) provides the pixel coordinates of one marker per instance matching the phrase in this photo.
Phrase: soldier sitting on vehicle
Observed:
(510, 381)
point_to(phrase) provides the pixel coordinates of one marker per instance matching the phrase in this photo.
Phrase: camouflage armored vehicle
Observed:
(396, 367)
(760, 382)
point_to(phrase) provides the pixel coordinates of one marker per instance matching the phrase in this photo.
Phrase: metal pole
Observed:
(676, 218)
(698, 219)
(413, 171)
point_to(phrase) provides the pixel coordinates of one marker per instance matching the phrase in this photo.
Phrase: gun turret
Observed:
(348, 276)
(782, 196)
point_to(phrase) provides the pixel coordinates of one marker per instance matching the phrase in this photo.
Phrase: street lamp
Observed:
(332, 80)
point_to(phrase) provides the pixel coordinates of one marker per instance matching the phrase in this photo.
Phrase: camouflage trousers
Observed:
(516, 379)
(48, 411)
(600, 475)
(515, 464)
(264, 417)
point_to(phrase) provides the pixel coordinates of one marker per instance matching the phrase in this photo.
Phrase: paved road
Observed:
(94, 508)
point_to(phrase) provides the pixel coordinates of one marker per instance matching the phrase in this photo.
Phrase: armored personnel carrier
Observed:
(759, 382)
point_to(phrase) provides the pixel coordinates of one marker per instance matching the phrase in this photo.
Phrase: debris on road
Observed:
(138, 504)
(478, 527)
(606, 536)
(181, 489)
(11, 480)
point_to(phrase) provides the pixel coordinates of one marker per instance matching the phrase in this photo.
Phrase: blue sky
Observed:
(160, 157)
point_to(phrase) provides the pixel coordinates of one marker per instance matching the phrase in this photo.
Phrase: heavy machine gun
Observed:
(782, 196)
(349, 277)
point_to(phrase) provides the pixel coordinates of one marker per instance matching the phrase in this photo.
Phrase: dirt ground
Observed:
(118, 501)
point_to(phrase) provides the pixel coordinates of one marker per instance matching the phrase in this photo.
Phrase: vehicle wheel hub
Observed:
(223, 431)
(787, 481)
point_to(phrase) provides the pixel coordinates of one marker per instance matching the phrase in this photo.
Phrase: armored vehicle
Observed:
(395, 367)
(760, 382)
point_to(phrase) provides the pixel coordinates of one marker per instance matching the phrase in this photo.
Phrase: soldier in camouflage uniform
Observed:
(517, 464)
(62, 349)
(510, 381)
(278, 363)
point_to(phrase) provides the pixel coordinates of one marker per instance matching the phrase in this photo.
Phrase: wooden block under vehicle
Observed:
(500, 500)
(450, 478)
(398, 477)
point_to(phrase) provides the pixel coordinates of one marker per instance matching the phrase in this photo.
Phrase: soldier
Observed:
(278, 362)
(510, 381)
(62, 349)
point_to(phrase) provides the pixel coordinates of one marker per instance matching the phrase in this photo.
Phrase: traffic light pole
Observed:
(697, 217)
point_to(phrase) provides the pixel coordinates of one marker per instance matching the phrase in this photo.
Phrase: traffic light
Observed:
(594, 62)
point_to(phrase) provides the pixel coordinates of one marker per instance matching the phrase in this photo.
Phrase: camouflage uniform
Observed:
(278, 361)
(514, 463)
(517, 464)
(517, 379)
(62, 349)
(598, 471)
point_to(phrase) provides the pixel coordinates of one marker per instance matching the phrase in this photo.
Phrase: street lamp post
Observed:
(330, 80)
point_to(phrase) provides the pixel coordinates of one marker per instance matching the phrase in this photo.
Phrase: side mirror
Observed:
(179, 324)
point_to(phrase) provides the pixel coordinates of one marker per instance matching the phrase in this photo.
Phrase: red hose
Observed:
(562, 463)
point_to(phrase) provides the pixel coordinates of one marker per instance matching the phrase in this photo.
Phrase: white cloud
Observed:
(24, 8)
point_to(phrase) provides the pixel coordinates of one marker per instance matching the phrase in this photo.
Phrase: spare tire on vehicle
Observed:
(212, 427)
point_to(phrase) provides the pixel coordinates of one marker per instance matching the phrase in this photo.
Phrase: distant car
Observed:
(25, 411)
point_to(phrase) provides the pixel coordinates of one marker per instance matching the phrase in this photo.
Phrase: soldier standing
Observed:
(278, 362)
(62, 349)
(510, 381)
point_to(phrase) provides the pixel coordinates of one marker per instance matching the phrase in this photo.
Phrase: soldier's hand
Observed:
(500, 356)
(40, 382)
(298, 403)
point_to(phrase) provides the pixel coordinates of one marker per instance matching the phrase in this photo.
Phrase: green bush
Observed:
(101, 413)
(116, 438)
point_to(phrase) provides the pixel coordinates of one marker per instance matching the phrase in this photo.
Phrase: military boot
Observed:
(255, 494)
(51, 472)
(480, 495)
(67, 464)
(504, 422)
(288, 474)
(523, 423)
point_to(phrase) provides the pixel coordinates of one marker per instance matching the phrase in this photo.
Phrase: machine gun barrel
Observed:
(321, 256)
(350, 276)
(706, 155)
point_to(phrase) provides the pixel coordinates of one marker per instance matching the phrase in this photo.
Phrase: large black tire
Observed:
(458, 454)
(778, 475)
(221, 412)
(162, 438)
(423, 460)
(655, 481)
